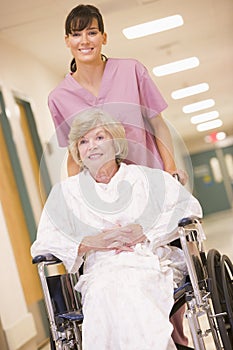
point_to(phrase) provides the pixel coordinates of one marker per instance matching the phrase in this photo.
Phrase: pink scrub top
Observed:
(128, 93)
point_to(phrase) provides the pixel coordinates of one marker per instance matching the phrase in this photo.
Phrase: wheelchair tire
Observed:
(227, 282)
(52, 343)
(217, 296)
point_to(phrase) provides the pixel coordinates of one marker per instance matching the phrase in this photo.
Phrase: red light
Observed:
(213, 137)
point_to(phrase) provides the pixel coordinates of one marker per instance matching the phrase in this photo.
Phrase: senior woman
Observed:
(118, 219)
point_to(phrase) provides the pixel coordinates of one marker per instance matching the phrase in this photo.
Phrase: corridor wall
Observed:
(21, 76)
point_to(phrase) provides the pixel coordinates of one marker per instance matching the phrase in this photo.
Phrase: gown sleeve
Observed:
(171, 202)
(56, 231)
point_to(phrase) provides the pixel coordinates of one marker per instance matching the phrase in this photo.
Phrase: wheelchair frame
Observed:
(198, 296)
(65, 323)
(200, 293)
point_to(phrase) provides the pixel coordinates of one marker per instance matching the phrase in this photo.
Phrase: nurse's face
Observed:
(96, 149)
(86, 45)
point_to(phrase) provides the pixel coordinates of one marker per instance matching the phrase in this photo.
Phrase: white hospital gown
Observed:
(126, 297)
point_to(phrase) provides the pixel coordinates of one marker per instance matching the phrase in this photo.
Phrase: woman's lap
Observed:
(126, 304)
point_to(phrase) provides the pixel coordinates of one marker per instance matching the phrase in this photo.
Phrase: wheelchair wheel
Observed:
(218, 297)
(227, 282)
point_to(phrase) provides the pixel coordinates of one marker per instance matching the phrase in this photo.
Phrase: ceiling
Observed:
(207, 33)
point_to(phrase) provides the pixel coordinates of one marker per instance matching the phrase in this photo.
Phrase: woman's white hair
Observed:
(90, 119)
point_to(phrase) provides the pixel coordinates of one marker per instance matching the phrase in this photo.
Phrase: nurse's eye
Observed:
(75, 34)
(93, 32)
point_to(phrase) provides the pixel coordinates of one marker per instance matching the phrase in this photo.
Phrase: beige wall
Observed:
(21, 75)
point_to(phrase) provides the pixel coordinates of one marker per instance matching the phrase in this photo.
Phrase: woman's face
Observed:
(86, 45)
(96, 148)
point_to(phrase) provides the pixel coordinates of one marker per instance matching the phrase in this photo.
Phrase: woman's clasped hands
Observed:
(118, 238)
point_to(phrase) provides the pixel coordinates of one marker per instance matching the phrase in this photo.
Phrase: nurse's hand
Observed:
(181, 176)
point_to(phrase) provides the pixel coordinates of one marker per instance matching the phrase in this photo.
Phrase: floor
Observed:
(219, 233)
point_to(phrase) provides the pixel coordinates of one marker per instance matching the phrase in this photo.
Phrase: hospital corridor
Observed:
(162, 70)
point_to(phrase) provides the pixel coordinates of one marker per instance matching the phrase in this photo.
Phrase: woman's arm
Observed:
(153, 104)
(164, 143)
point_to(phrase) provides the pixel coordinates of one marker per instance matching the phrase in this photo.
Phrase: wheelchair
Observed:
(207, 293)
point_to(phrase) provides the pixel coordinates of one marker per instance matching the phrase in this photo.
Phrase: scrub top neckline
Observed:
(86, 92)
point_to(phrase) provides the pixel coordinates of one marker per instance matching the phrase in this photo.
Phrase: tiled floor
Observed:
(219, 233)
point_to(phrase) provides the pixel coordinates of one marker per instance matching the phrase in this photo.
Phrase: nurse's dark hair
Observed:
(73, 66)
(79, 18)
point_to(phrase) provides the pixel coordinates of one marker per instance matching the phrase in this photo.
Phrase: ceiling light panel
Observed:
(198, 106)
(177, 66)
(204, 117)
(209, 125)
(189, 91)
(152, 27)
(221, 136)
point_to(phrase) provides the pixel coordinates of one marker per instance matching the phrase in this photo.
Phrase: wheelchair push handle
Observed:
(45, 258)
(176, 176)
(188, 221)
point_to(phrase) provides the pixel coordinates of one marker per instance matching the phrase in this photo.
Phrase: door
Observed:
(22, 203)
(211, 185)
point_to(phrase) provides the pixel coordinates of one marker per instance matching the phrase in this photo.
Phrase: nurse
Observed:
(122, 87)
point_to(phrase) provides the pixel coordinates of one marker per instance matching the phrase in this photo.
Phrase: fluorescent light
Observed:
(209, 125)
(152, 27)
(221, 136)
(189, 91)
(176, 66)
(205, 117)
(194, 107)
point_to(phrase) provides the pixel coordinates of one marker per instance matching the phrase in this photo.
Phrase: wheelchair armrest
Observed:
(46, 258)
(188, 221)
